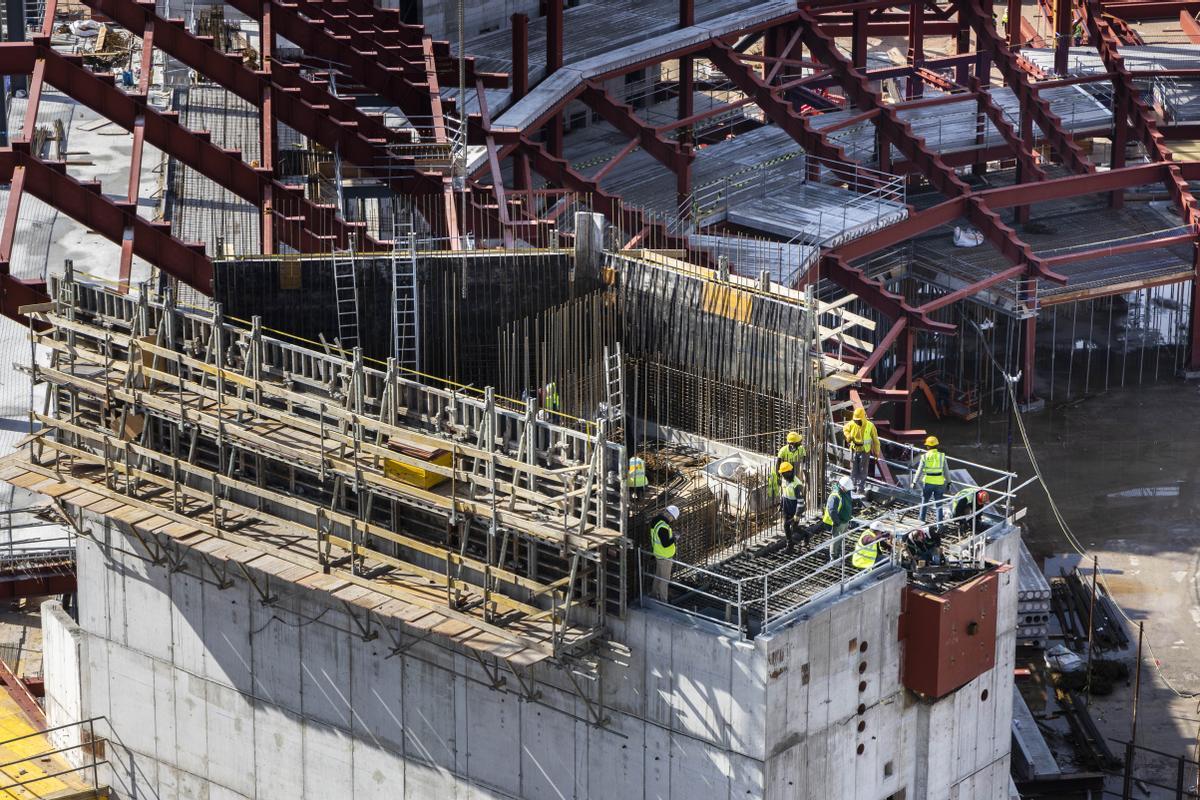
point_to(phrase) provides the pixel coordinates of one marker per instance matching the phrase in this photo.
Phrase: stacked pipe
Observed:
(1033, 602)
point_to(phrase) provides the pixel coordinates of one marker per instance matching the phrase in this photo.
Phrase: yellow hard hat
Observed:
(785, 468)
(793, 438)
(860, 413)
(931, 441)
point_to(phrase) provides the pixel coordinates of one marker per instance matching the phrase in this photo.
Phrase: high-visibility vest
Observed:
(789, 489)
(966, 494)
(551, 392)
(933, 466)
(793, 457)
(637, 473)
(841, 509)
(860, 436)
(865, 554)
(662, 539)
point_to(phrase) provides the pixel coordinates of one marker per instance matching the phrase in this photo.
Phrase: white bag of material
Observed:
(85, 28)
(1063, 660)
(966, 237)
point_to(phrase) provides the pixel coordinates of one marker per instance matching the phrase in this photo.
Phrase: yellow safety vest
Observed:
(552, 396)
(865, 554)
(789, 489)
(658, 533)
(637, 473)
(793, 457)
(933, 465)
(860, 436)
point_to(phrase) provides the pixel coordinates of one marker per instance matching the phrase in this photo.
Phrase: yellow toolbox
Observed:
(417, 476)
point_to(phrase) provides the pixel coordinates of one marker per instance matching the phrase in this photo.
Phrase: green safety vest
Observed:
(658, 534)
(860, 436)
(865, 554)
(637, 473)
(552, 396)
(842, 516)
(933, 465)
(966, 494)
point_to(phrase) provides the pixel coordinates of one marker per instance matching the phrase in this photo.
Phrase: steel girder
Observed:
(86, 204)
(308, 108)
(622, 117)
(1142, 115)
(1018, 79)
(320, 227)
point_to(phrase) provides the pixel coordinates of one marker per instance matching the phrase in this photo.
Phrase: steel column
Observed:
(554, 62)
(135, 159)
(520, 88)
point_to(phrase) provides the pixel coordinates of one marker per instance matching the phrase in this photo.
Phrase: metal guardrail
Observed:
(773, 600)
(90, 750)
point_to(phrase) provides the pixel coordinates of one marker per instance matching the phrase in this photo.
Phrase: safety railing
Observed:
(71, 764)
(764, 601)
(710, 203)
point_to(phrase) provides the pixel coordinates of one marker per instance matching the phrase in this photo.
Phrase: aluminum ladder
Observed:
(406, 327)
(345, 290)
(614, 384)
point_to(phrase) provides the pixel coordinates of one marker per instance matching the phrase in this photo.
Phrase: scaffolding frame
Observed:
(310, 454)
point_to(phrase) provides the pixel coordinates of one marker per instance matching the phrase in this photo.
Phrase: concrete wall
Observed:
(213, 693)
(62, 655)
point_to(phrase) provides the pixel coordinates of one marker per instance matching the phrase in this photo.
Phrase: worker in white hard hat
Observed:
(839, 510)
(662, 540)
(866, 552)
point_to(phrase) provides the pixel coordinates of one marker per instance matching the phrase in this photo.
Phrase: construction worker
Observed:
(637, 477)
(550, 400)
(1004, 20)
(866, 553)
(967, 505)
(792, 452)
(932, 474)
(662, 540)
(1077, 31)
(839, 510)
(792, 495)
(862, 439)
(924, 546)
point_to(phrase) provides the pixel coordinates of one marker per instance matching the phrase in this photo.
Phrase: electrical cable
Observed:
(1069, 534)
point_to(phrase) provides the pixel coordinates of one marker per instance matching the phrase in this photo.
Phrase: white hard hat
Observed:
(846, 483)
(673, 511)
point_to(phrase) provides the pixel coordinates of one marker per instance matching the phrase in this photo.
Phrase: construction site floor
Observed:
(30, 768)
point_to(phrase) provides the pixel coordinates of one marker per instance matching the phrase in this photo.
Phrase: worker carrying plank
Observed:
(862, 440)
(932, 475)
(792, 496)
(662, 540)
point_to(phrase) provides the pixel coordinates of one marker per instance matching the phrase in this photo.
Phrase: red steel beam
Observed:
(1191, 28)
(779, 111)
(1144, 121)
(623, 118)
(319, 227)
(135, 158)
(1140, 10)
(1018, 80)
(1121, 249)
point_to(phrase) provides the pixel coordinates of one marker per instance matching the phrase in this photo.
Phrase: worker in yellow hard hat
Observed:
(792, 496)
(793, 453)
(932, 475)
(862, 440)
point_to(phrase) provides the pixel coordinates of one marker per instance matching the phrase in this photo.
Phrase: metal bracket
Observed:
(364, 631)
(265, 596)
